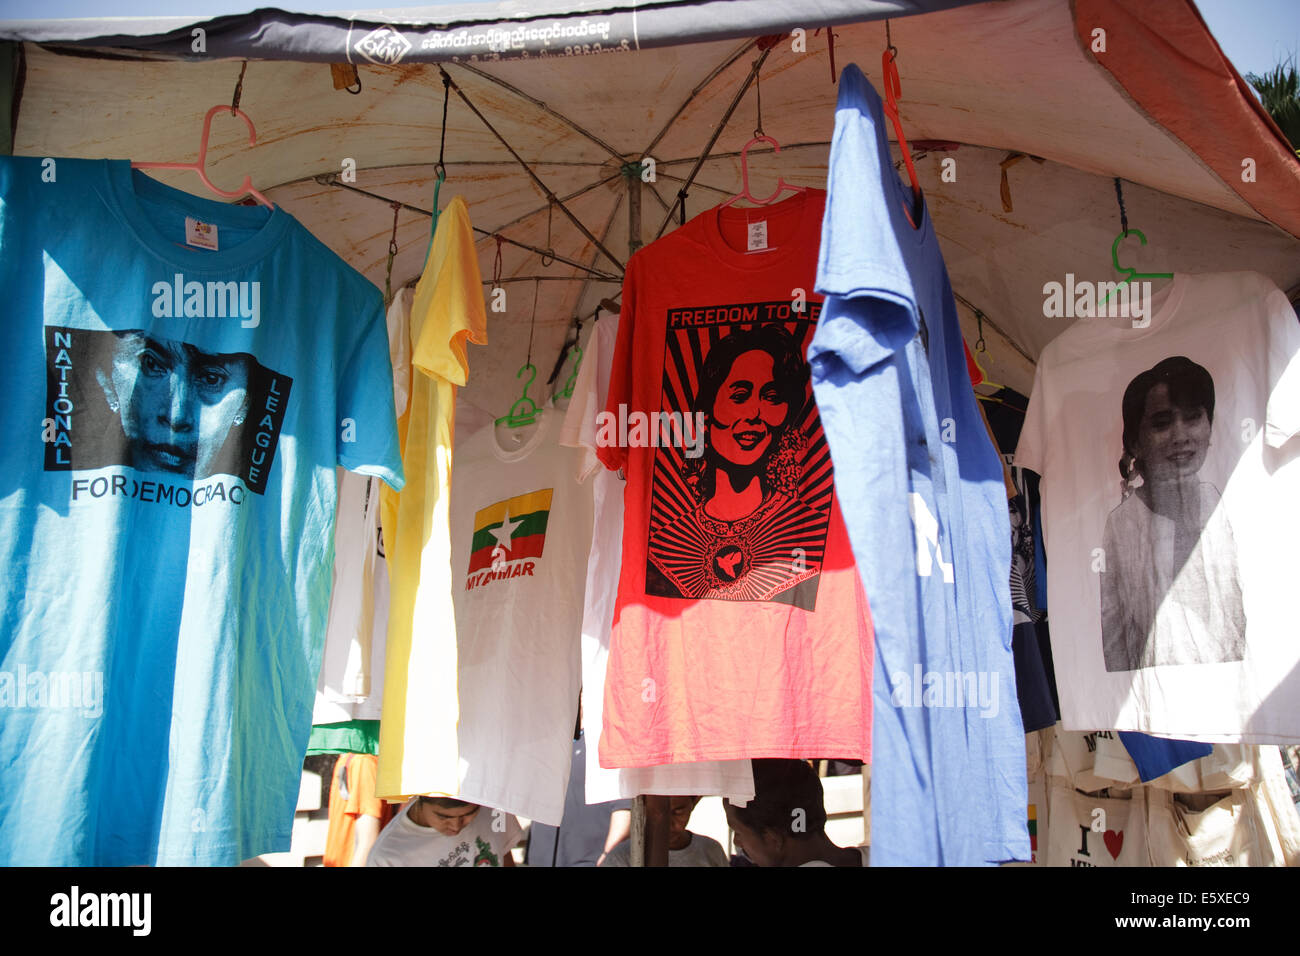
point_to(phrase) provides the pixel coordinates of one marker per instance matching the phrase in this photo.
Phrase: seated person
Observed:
(684, 847)
(443, 831)
(785, 823)
(356, 813)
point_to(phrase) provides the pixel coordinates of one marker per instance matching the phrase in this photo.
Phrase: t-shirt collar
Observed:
(124, 188)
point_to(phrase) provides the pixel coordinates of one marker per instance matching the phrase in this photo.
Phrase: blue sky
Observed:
(1256, 34)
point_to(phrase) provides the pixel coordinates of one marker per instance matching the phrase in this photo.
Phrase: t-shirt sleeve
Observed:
(870, 313)
(621, 372)
(367, 424)
(399, 348)
(448, 308)
(589, 392)
(364, 790)
(1031, 450)
(1283, 411)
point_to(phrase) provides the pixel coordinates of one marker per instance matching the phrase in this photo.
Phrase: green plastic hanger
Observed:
(1124, 231)
(567, 390)
(1130, 274)
(524, 411)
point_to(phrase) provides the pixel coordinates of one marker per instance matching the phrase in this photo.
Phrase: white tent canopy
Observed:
(996, 78)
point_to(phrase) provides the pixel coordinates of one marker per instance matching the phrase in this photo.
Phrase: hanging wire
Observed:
(528, 170)
(392, 254)
(979, 324)
(758, 93)
(239, 89)
(496, 262)
(889, 40)
(1123, 214)
(717, 131)
(830, 43)
(532, 322)
(571, 339)
(550, 247)
(439, 169)
(332, 180)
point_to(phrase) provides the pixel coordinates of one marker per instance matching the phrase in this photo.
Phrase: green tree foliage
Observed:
(1279, 92)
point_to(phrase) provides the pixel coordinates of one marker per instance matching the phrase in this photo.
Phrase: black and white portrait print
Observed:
(1170, 587)
(154, 404)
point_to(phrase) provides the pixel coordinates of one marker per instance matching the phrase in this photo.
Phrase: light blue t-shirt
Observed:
(172, 416)
(926, 510)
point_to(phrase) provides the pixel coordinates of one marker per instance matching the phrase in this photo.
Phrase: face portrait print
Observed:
(1170, 588)
(177, 405)
(748, 411)
(161, 406)
(752, 382)
(742, 521)
(1172, 440)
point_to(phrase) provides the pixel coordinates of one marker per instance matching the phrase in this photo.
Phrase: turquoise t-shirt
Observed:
(184, 375)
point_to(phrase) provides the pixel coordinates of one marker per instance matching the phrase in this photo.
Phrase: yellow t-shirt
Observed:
(417, 738)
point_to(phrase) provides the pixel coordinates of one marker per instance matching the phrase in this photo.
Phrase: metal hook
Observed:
(392, 254)
(392, 243)
(1123, 214)
(239, 90)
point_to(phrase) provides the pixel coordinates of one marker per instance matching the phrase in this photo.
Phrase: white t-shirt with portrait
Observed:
(484, 842)
(1172, 604)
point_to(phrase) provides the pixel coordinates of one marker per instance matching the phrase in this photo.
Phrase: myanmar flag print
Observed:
(510, 530)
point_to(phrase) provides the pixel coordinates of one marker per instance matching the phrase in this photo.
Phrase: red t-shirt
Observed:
(741, 629)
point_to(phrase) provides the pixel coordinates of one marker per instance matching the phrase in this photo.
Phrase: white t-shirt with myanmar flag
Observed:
(521, 530)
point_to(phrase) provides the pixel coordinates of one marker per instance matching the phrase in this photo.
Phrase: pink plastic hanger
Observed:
(781, 184)
(245, 188)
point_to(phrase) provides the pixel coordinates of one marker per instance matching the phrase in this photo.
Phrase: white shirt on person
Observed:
(484, 842)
